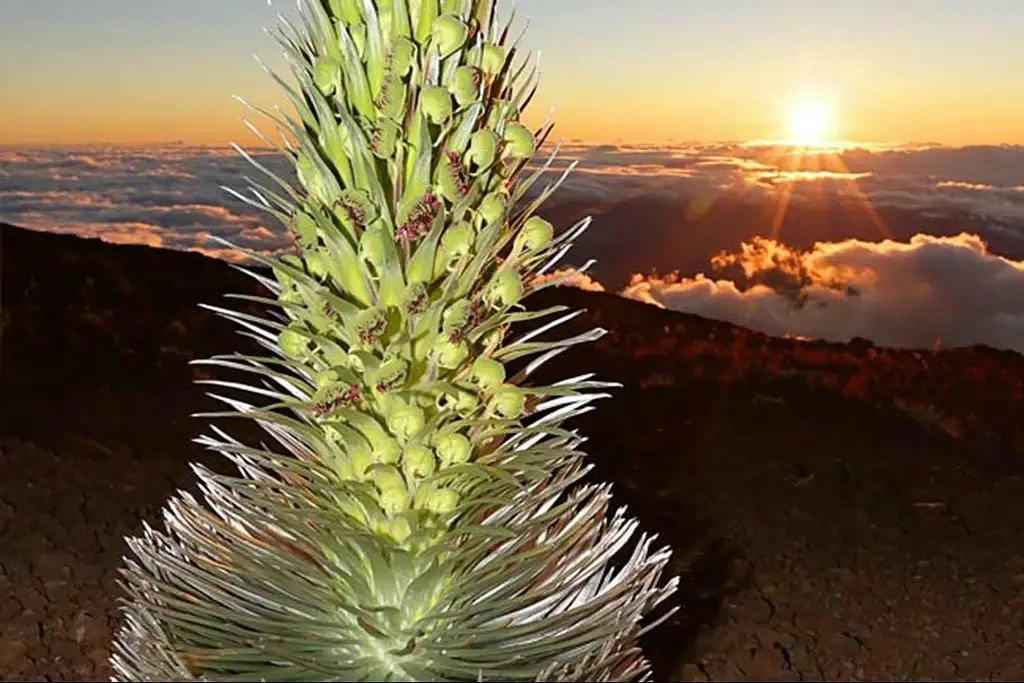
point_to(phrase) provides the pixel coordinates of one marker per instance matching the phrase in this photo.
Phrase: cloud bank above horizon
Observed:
(955, 275)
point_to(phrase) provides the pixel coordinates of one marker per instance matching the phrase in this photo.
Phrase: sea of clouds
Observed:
(946, 265)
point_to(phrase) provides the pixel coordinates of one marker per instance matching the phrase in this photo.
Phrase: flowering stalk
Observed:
(426, 519)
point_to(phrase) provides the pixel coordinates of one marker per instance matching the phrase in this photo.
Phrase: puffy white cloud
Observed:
(950, 290)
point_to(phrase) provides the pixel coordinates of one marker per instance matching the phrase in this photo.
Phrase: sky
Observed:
(138, 71)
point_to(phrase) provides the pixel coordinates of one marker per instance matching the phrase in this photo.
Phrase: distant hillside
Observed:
(74, 307)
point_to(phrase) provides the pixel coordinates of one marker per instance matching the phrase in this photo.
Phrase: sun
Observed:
(809, 123)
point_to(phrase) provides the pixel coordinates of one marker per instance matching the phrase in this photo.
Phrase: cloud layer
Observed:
(933, 290)
(904, 245)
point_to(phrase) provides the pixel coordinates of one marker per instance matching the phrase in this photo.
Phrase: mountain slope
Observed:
(839, 511)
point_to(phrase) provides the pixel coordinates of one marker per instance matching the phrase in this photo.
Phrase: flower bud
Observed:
(488, 373)
(505, 290)
(403, 51)
(405, 421)
(493, 59)
(415, 298)
(394, 495)
(483, 148)
(449, 33)
(390, 375)
(458, 239)
(326, 74)
(370, 325)
(448, 354)
(465, 85)
(325, 378)
(453, 449)
(508, 402)
(492, 207)
(391, 101)
(519, 142)
(384, 139)
(355, 208)
(292, 343)
(436, 103)
(418, 462)
(462, 401)
(449, 180)
(440, 501)
(457, 315)
(536, 233)
(386, 452)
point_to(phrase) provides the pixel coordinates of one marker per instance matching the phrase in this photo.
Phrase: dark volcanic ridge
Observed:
(82, 303)
(838, 511)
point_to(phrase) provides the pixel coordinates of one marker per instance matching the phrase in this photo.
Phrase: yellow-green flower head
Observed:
(418, 462)
(384, 138)
(448, 354)
(502, 110)
(391, 101)
(356, 208)
(457, 315)
(326, 74)
(519, 141)
(354, 363)
(390, 375)
(453, 449)
(436, 103)
(492, 207)
(440, 501)
(536, 233)
(403, 52)
(493, 58)
(483, 148)
(325, 378)
(458, 239)
(505, 290)
(293, 343)
(448, 176)
(371, 324)
(508, 402)
(405, 421)
(488, 373)
(415, 298)
(394, 495)
(449, 33)
(465, 85)
(461, 400)
(386, 451)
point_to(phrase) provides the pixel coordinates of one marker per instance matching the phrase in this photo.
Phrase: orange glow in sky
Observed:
(656, 71)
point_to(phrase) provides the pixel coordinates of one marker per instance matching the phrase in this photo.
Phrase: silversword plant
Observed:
(421, 515)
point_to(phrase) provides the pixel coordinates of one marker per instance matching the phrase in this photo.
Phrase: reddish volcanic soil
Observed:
(839, 512)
